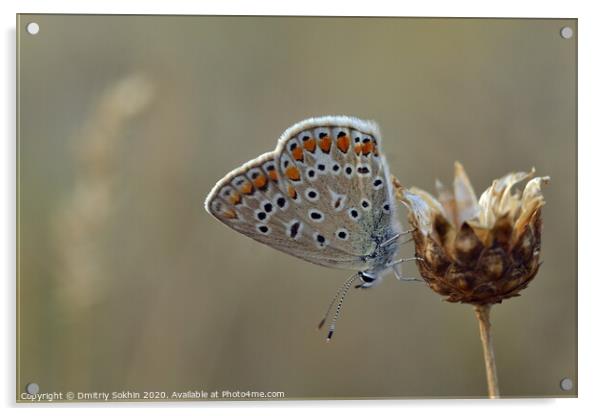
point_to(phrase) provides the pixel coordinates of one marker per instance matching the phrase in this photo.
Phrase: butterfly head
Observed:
(368, 279)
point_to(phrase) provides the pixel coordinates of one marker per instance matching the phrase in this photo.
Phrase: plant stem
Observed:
(482, 312)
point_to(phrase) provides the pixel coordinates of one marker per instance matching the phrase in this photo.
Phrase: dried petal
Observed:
(421, 211)
(466, 201)
(498, 200)
(448, 202)
(424, 208)
(532, 201)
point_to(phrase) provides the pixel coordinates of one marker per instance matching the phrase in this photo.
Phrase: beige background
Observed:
(126, 283)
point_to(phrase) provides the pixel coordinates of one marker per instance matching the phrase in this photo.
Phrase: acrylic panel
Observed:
(128, 289)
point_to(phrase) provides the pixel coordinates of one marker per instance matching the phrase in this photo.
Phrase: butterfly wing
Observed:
(319, 196)
(337, 167)
(250, 200)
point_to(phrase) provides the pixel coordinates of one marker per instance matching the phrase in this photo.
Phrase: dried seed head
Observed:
(477, 252)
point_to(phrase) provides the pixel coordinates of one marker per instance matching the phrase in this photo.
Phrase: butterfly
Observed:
(324, 195)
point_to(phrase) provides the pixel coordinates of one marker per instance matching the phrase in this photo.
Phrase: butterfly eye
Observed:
(366, 278)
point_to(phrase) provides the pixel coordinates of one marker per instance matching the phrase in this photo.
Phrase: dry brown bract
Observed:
(477, 252)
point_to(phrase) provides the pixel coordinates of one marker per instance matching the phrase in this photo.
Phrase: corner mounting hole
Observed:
(32, 388)
(32, 28)
(566, 32)
(566, 384)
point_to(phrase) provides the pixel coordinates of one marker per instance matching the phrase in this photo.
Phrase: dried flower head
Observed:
(477, 252)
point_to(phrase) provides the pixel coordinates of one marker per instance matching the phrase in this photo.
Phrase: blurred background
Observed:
(125, 124)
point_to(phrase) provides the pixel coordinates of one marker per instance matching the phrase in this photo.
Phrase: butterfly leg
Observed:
(397, 272)
(395, 237)
(405, 279)
(393, 263)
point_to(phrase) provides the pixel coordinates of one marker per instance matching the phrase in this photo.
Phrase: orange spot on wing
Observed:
(293, 173)
(247, 188)
(325, 143)
(273, 175)
(298, 153)
(357, 149)
(230, 214)
(292, 192)
(343, 143)
(310, 144)
(235, 199)
(260, 181)
(367, 148)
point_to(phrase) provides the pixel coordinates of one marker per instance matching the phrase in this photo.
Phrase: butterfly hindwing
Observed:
(250, 201)
(246, 198)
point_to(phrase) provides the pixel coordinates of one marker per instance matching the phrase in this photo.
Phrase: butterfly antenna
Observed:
(336, 296)
(345, 288)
